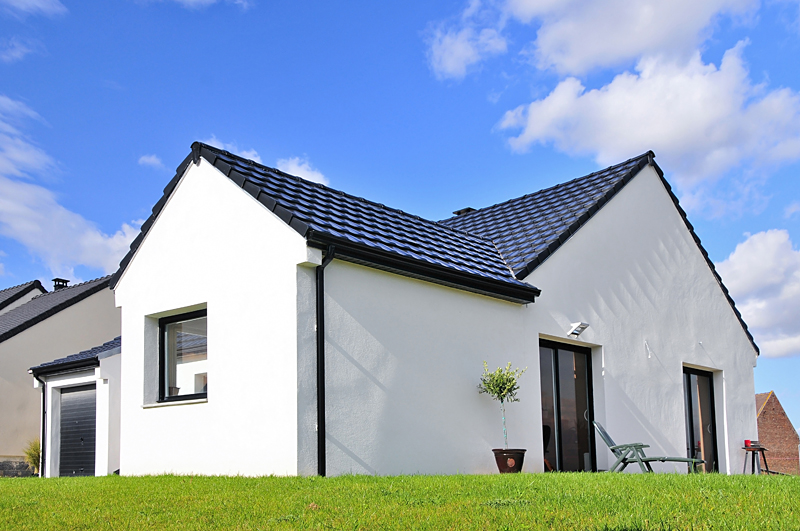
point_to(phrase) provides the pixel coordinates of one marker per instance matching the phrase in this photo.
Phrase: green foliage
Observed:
(33, 454)
(563, 501)
(501, 384)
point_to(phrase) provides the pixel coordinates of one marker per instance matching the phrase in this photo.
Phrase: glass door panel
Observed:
(701, 435)
(566, 406)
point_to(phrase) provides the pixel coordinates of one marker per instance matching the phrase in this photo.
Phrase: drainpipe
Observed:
(321, 359)
(42, 440)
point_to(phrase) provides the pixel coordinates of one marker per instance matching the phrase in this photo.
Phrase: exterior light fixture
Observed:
(577, 329)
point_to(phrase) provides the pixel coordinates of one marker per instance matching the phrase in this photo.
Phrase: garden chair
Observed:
(634, 453)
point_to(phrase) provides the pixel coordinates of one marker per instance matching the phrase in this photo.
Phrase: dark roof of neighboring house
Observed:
(11, 295)
(87, 358)
(46, 305)
(528, 229)
(362, 231)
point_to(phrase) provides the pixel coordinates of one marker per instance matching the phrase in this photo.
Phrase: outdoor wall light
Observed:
(577, 329)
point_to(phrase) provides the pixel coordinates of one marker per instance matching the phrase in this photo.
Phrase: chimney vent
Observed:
(60, 283)
(463, 211)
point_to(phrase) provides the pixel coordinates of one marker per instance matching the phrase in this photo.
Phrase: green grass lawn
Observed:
(521, 501)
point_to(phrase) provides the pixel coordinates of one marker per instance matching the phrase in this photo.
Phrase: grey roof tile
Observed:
(45, 305)
(523, 228)
(88, 356)
(10, 295)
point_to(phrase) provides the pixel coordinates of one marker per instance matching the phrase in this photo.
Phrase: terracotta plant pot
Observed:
(509, 461)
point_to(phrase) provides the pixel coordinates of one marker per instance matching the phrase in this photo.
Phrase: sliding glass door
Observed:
(701, 433)
(566, 374)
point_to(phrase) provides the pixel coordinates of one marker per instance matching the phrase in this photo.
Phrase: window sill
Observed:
(176, 403)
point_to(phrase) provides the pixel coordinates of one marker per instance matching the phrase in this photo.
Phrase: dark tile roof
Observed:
(87, 358)
(363, 231)
(10, 295)
(45, 305)
(530, 228)
(487, 251)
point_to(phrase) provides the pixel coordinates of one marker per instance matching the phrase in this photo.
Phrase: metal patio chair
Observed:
(627, 454)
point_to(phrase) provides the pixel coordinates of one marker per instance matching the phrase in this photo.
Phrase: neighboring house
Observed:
(777, 434)
(277, 326)
(15, 296)
(81, 414)
(48, 326)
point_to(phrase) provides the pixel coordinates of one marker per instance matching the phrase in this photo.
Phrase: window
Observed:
(183, 353)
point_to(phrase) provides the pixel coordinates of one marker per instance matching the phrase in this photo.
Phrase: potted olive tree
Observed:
(502, 386)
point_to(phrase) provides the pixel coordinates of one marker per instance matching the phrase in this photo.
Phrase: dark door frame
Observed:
(690, 435)
(546, 343)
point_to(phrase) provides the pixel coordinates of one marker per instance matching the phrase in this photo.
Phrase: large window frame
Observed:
(162, 356)
(556, 382)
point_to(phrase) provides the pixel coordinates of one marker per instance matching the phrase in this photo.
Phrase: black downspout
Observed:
(42, 443)
(321, 465)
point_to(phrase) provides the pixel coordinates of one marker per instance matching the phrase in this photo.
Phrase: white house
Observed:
(277, 326)
(36, 327)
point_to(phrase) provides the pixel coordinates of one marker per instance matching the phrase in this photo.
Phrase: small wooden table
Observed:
(755, 462)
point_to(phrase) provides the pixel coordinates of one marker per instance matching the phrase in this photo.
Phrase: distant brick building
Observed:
(776, 433)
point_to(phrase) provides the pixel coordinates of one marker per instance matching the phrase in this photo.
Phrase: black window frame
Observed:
(162, 327)
(587, 351)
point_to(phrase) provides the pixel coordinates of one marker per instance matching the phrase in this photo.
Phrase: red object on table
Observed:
(747, 442)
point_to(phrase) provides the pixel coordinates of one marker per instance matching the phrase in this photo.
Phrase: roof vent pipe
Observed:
(60, 283)
(463, 211)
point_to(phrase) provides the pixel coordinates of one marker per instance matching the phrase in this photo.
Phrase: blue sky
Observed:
(428, 107)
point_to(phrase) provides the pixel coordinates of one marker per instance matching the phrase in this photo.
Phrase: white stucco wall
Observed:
(634, 274)
(86, 324)
(404, 356)
(215, 247)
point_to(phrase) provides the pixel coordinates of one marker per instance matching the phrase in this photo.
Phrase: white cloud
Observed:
(151, 160)
(457, 47)
(15, 49)
(791, 210)
(18, 155)
(251, 154)
(575, 36)
(197, 4)
(452, 52)
(31, 214)
(763, 276)
(301, 167)
(701, 120)
(35, 7)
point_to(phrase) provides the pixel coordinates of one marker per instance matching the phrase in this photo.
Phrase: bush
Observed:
(33, 455)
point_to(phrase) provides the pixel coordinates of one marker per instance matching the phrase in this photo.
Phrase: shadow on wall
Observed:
(402, 377)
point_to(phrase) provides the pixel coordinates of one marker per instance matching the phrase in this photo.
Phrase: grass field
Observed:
(521, 501)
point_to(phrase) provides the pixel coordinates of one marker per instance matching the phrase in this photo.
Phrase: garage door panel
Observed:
(78, 431)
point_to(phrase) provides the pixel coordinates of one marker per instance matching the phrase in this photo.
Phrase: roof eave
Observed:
(71, 366)
(386, 261)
